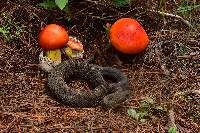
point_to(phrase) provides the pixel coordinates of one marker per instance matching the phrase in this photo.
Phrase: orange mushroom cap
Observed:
(128, 36)
(53, 37)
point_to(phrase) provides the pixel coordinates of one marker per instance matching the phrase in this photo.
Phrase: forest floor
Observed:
(166, 75)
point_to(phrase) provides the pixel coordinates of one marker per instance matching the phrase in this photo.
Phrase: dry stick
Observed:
(189, 57)
(173, 15)
(165, 14)
(171, 119)
(110, 18)
(197, 77)
(117, 16)
(171, 122)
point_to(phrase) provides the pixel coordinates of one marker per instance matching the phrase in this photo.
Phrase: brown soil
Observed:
(168, 69)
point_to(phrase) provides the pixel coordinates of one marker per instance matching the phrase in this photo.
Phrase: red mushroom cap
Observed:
(128, 36)
(53, 37)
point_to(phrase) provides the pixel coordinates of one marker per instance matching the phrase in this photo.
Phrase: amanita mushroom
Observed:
(128, 36)
(74, 44)
(74, 48)
(51, 39)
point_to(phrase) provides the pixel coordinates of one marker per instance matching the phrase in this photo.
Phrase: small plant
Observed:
(50, 4)
(146, 106)
(185, 7)
(9, 29)
(107, 31)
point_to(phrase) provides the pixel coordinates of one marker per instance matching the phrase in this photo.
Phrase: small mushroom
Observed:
(74, 48)
(128, 36)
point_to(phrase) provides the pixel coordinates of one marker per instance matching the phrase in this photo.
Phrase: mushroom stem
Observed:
(54, 55)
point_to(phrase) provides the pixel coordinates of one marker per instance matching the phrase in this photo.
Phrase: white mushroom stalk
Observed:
(46, 63)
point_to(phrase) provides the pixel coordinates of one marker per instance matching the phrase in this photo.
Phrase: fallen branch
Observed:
(107, 18)
(189, 57)
(174, 16)
(196, 92)
(197, 77)
(171, 120)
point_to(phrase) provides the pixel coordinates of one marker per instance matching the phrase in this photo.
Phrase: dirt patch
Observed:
(168, 69)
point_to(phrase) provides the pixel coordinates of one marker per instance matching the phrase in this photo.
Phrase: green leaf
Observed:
(61, 3)
(133, 113)
(149, 100)
(147, 103)
(47, 4)
(3, 31)
(142, 120)
(160, 109)
(143, 114)
(172, 130)
(144, 105)
(138, 116)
